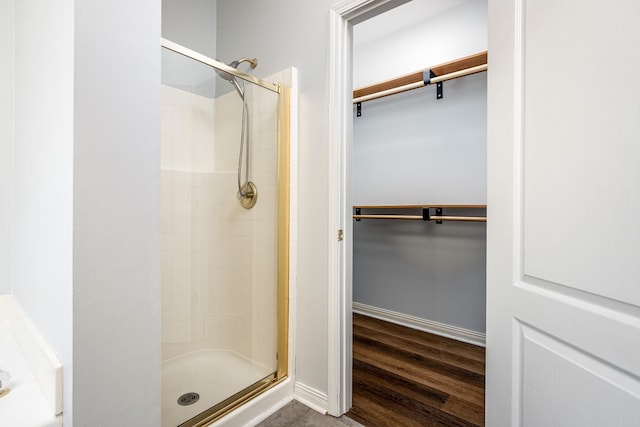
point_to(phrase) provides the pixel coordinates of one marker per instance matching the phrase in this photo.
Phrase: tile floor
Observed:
(295, 414)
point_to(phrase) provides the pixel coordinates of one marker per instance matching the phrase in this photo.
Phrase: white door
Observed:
(563, 285)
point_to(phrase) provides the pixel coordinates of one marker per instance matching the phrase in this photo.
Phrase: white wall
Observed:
(44, 139)
(87, 200)
(411, 148)
(281, 34)
(116, 214)
(7, 82)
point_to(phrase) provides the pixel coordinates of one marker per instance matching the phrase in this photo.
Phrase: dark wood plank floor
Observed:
(405, 377)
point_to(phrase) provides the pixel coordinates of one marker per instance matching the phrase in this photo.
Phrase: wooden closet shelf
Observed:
(428, 205)
(473, 63)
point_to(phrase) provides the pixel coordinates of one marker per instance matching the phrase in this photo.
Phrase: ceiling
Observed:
(402, 17)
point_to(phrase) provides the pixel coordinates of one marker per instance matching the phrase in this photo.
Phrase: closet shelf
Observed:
(450, 70)
(426, 213)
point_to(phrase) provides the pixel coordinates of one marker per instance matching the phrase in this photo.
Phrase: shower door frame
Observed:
(192, 54)
(283, 235)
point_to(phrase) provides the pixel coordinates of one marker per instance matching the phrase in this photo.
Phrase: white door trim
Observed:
(342, 17)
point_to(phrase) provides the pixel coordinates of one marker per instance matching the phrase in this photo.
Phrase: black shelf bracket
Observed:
(425, 214)
(426, 79)
(358, 210)
(438, 213)
(358, 109)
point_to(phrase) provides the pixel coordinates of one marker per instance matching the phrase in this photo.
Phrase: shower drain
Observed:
(188, 399)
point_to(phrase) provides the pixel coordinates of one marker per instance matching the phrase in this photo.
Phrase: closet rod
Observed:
(450, 76)
(451, 70)
(420, 218)
(432, 205)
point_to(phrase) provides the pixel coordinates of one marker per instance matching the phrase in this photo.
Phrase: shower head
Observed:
(252, 61)
(231, 78)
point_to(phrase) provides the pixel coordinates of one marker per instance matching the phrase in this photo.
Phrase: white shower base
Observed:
(215, 374)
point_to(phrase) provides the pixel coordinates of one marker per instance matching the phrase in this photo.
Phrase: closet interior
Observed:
(419, 183)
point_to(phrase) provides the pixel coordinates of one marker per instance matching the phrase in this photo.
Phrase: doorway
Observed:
(340, 365)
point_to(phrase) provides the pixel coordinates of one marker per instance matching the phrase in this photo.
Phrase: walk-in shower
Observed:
(224, 267)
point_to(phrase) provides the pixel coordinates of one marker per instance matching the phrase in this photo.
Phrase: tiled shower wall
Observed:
(219, 259)
(187, 208)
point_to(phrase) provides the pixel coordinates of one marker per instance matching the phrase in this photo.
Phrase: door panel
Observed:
(554, 370)
(563, 243)
(581, 134)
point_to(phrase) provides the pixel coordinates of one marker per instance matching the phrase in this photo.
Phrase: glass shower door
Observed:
(222, 285)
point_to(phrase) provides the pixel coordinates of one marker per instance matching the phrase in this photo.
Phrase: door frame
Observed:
(342, 17)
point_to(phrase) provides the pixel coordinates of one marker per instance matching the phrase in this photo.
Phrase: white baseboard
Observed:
(449, 331)
(311, 397)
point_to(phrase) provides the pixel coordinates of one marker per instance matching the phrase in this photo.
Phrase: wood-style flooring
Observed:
(405, 377)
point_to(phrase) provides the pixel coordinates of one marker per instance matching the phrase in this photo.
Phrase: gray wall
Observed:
(434, 272)
(191, 23)
(413, 149)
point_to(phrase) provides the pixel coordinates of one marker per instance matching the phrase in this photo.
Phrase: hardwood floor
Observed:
(405, 377)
